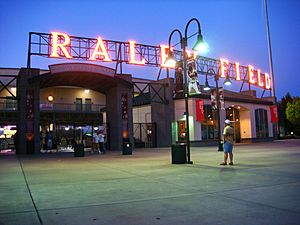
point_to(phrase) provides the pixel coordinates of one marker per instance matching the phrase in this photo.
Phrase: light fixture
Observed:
(170, 61)
(206, 86)
(67, 128)
(239, 107)
(200, 46)
(227, 81)
(86, 91)
(50, 98)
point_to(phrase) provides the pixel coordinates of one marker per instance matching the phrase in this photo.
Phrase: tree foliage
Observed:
(293, 111)
(285, 125)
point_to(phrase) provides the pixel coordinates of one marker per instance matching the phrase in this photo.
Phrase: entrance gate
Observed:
(144, 135)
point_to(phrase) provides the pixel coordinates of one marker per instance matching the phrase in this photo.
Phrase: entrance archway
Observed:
(88, 76)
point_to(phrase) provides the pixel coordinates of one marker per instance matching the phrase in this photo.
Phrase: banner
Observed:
(29, 114)
(221, 98)
(199, 110)
(124, 106)
(213, 99)
(192, 77)
(179, 77)
(274, 114)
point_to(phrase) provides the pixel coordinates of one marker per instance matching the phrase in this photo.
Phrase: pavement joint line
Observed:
(124, 202)
(253, 187)
(30, 194)
(17, 212)
(212, 194)
(260, 204)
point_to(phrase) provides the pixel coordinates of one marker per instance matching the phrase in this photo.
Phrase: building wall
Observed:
(142, 114)
(69, 95)
(247, 118)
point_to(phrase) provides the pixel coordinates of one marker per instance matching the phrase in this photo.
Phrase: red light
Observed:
(267, 81)
(260, 83)
(223, 67)
(100, 50)
(251, 74)
(57, 43)
(132, 59)
(163, 56)
(237, 71)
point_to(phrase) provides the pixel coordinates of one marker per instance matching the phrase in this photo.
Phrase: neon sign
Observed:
(254, 77)
(61, 45)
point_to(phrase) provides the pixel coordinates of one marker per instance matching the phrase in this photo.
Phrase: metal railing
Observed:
(71, 107)
(12, 105)
(8, 105)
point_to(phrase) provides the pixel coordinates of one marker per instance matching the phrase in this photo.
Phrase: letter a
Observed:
(100, 50)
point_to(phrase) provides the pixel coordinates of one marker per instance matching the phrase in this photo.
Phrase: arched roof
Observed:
(89, 76)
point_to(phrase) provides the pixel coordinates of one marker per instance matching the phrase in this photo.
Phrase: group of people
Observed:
(98, 142)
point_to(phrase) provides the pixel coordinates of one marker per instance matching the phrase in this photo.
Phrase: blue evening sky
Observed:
(234, 29)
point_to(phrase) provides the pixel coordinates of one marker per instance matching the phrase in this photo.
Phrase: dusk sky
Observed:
(233, 29)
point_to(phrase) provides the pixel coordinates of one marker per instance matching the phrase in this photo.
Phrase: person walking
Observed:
(228, 143)
(49, 141)
(101, 138)
(95, 142)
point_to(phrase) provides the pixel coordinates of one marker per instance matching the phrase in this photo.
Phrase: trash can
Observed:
(78, 150)
(127, 148)
(29, 147)
(179, 154)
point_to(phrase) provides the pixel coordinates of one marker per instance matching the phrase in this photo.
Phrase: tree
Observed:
(284, 124)
(293, 114)
(293, 111)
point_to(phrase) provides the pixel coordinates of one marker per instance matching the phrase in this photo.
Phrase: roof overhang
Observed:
(89, 76)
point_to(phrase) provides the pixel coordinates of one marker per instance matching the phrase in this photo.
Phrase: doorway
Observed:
(233, 114)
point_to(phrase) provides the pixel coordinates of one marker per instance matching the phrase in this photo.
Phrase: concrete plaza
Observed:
(263, 187)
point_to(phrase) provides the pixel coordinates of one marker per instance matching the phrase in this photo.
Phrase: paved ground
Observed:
(58, 189)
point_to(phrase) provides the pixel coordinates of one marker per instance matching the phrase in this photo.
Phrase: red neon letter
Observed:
(163, 56)
(132, 54)
(222, 67)
(260, 83)
(267, 81)
(57, 43)
(237, 71)
(251, 74)
(101, 51)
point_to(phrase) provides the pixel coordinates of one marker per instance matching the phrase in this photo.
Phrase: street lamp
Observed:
(201, 47)
(207, 88)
